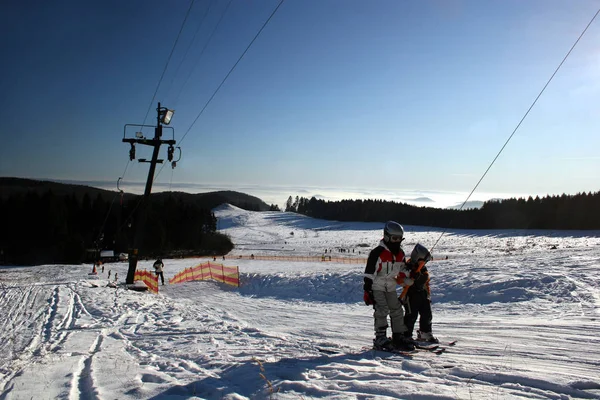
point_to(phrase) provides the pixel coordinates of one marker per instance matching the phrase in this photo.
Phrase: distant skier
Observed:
(158, 268)
(417, 297)
(385, 266)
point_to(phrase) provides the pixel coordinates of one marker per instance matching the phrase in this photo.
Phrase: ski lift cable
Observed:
(226, 76)
(172, 169)
(171, 181)
(187, 50)
(168, 60)
(188, 77)
(163, 73)
(129, 217)
(127, 220)
(231, 70)
(521, 121)
(101, 231)
(119, 193)
(125, 170)
(131, 213)
(201, 53)
(158, 173)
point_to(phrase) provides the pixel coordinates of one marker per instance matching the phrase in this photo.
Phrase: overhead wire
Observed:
(521, 121)
(190, 74)
(154, 96)
(171, 180)
(168, 60)
(202, 52)
(125, 170)
(231, 70)
(101, 231)
(179, 66)
(163, 74)
(187, 50)
(226, 76)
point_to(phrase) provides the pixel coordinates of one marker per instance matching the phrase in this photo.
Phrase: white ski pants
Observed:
(387, 303)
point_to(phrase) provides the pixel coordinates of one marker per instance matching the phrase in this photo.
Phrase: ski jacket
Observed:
(421, 282)
(420, 277)
(384, 267)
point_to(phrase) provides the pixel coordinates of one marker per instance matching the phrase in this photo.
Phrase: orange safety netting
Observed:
(208, 270)
(149, 278)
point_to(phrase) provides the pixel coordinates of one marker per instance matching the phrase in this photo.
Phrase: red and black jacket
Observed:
(384, 267)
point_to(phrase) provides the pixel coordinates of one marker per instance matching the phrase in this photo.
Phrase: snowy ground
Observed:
(526, 318)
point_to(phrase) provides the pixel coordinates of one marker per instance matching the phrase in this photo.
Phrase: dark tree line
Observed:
(48, 228)
(565, 212)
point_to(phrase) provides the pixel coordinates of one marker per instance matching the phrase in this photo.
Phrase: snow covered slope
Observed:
(526, 318)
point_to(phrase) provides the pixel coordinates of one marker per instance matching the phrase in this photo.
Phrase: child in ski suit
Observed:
(417, 297)
(385, 266)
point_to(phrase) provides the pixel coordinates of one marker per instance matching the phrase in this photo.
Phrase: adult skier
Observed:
(158, 269)
(385, 266)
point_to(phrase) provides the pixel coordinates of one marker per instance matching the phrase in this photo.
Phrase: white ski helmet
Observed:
(394, 230)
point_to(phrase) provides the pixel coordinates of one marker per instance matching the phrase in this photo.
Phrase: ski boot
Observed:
(382, 342)
(426, 337)
(402, 342)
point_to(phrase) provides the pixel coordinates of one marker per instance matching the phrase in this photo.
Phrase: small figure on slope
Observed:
(158, 269)
(417, 297)
(385, 266)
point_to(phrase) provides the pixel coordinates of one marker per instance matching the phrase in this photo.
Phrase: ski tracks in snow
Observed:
(49, 325)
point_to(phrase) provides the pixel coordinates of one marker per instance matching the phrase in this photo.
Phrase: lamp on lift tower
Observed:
(166, 116)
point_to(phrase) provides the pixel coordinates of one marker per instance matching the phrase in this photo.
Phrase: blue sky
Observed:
(391, 96)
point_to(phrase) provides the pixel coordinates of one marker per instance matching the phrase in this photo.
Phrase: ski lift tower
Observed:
(164, 116)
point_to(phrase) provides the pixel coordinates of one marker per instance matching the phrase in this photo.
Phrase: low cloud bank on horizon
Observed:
(279, 194)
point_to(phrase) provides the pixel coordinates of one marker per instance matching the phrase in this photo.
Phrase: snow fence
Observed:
(149, 278)
(208, 270)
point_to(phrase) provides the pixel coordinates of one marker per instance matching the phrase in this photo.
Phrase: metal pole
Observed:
(139, 219)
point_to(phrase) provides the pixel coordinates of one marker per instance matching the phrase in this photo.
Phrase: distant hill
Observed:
(14, 186)
(214, 199)
(468, 205)
(423, 200)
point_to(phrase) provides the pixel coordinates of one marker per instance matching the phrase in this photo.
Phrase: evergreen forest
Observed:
(565, 212)
(49, 228)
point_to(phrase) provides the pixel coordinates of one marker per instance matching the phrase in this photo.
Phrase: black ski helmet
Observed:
(420, 252)
(392, 228)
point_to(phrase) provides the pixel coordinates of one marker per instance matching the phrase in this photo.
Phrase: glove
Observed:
(401, 300)
(368, 298)
(368, 288)
(404, 280)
